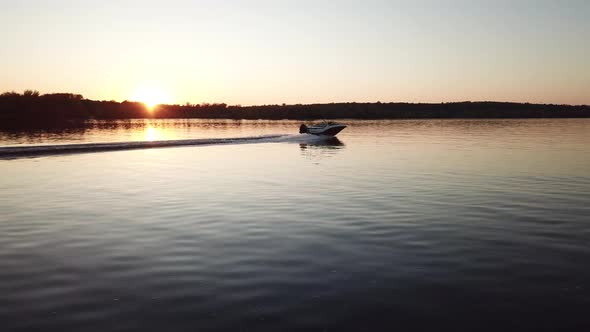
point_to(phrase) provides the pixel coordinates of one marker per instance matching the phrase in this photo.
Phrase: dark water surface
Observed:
(399, 225)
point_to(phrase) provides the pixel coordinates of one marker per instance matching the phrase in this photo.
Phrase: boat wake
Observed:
(12, 152)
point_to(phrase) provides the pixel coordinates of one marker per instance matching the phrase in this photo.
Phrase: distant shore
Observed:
(32, 109)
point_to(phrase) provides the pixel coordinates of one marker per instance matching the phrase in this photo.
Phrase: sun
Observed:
(151, 96)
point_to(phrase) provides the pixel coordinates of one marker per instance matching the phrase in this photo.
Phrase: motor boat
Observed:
(326, 128)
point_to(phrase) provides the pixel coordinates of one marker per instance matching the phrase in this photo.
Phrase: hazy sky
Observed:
(263, 52)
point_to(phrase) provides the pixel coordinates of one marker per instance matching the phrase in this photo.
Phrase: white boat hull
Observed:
(322, 129)
(329, 130)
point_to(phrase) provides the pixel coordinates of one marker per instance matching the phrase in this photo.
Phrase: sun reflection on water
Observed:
(151, 133)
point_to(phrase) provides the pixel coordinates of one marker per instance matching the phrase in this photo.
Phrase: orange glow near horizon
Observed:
(151, 96)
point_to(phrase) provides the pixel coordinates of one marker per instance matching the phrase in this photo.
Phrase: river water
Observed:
(395, 225)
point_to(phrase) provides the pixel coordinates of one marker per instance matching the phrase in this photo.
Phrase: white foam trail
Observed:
(12, 152)
(43, 150)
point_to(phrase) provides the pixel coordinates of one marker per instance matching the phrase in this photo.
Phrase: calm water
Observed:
(398, 225)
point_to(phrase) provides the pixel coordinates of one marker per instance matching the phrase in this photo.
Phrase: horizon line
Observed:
(37, 93)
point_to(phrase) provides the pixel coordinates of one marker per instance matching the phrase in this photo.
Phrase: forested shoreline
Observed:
(33, 109)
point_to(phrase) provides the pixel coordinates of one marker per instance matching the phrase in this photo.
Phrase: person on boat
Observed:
(303, 128)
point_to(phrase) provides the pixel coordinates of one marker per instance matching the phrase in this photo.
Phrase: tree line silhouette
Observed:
(58, 109)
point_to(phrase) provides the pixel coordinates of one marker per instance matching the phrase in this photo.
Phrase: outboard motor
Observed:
(303, 129)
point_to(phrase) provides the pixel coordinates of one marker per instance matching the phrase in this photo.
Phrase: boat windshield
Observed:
(324, 124)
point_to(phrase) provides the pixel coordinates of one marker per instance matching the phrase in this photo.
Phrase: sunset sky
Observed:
(267, 52)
